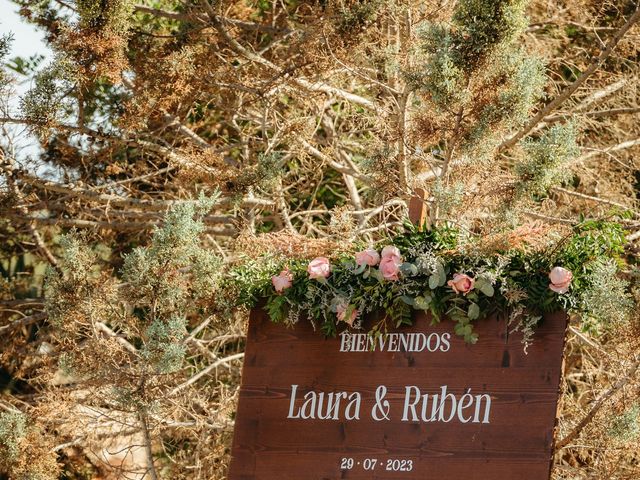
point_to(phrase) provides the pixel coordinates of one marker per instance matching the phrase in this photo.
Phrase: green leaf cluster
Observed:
(512, 282)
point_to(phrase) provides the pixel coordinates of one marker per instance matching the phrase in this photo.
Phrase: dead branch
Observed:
(599, 403)
(205, 371)
(570, 90)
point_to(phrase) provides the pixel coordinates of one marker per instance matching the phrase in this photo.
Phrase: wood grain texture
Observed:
(516, 443)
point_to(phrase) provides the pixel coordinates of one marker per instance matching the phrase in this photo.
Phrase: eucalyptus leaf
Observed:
(474, 311)
(487, 289)
(377, 274)
(408, 300)
(408, 269)
(471, 338)
(422, 303)
(442, 275)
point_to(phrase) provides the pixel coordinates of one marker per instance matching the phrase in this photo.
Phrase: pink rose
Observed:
(391, 252)
(461, 283)
(368, 257)
(282, 281)
(341, 311)
(560, 279)
(319, 268)
(390, 267)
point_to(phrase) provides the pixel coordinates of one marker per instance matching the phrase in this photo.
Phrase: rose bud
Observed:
(319, 268)
(391, 251)
(282, 281)
(368, 257)
(461, 283)
(341, 311)
(560, 279)
(390, 267)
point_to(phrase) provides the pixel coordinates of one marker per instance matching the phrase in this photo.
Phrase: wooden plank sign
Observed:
(416, 403)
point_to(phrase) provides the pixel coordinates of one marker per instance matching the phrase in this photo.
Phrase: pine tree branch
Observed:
(314, 86)
(570, 90)
(403, 158)
(205, 371)
(142, 416)
(548, 218)
(337, 166)
(24, 321)
(102, 327)
(116, 200)
(603, 201)
(7, 166)
(612, 112)
(607, 150)
(19, 302)
(584, 104)
(191, 17)
(156, 12)
(114, 225)
(125, 138)
(599, 403)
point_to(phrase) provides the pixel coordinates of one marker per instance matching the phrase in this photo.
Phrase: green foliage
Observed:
(353, 15)
(164, 282)
(168, 278)
(514, 281)
(45, 102)
(546, 160)
(626, 427)
(70, 290)
(164, 348)
(447, 197)
(24, 66)
(604, 297)
(5, 47)
(472, 69)
(156, 273)
(25, 452)
(250, 279)
(484, 25)
(442, 75)
(111, 15)
(522, 78)
(268, 169)
(480, 29)
(13, 428)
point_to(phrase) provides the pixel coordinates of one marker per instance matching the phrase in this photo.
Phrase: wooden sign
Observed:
(417, 403)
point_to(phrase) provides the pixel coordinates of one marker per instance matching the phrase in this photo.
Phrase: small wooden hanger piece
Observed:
(418, 208)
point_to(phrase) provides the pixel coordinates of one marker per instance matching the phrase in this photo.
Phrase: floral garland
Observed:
(434, 272)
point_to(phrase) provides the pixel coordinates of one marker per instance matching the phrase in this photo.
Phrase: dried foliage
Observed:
(315, 122)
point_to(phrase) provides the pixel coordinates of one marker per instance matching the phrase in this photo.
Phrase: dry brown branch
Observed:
(598, 404)
(151, 469)
(24, 321)
(595, 199)
(101, 327)
(314, 152)
(549, 219)
(314, 86)
(205, 371)
(7, 167)
(606, 150)
(570, 90)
